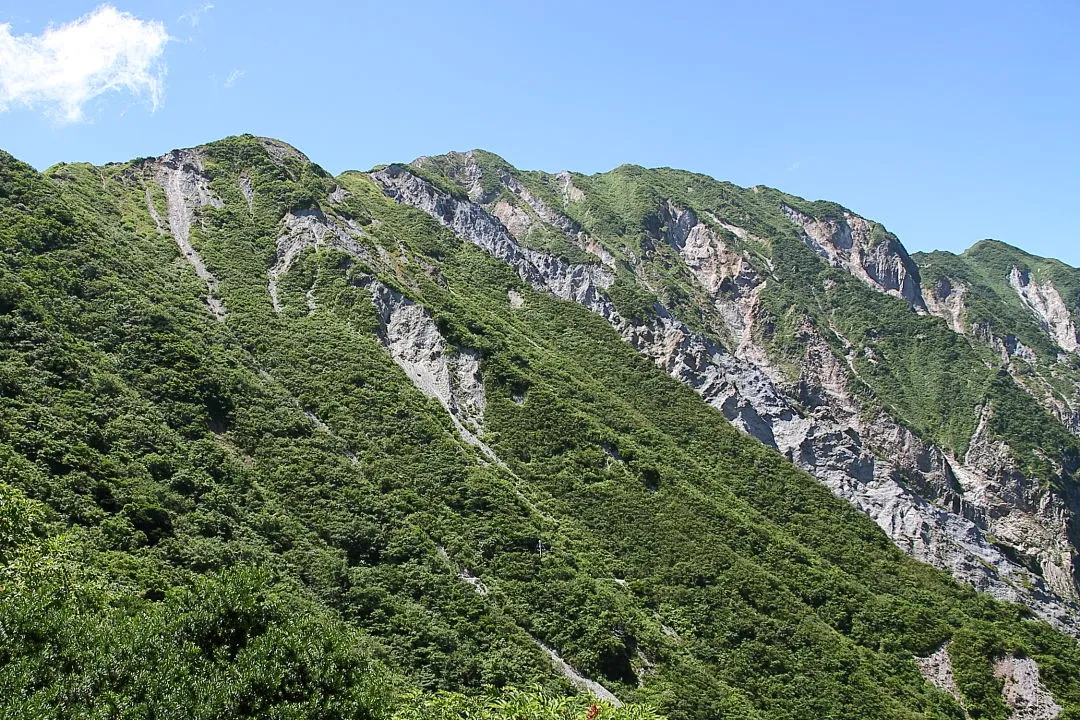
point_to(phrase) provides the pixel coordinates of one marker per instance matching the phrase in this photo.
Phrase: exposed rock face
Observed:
(849, 242)
(725, 274)
(556, 219)
(450, 375)
(517, 219)
(303, 229)
(1024, 692)
(339, 194)
(937, 669)
(1046, 303)
(570, 193)
(915, 492)
(581, 283)
(248, 192)
(1018, 510)
(716, 266)
(946, 300)
(181, 175)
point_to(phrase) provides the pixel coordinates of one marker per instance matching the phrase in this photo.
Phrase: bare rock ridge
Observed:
(520, 219)
(181, 176)
(937, 669)
(918, 494)
(581, 283)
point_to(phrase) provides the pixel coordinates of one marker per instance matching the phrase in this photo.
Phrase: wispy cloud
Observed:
(235, 75)
(793, 167)
(66, 66)
(193, 16)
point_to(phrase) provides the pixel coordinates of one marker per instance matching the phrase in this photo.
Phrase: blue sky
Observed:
(948, 122)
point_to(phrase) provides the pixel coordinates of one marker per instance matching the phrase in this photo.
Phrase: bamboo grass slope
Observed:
(393, 444)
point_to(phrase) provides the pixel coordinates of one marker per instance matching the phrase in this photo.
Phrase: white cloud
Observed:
(235, 75)
(66, 66)
(193, 16)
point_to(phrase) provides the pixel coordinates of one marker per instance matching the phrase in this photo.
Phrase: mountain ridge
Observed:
(833, 241)
(434, 399)
(757, 187)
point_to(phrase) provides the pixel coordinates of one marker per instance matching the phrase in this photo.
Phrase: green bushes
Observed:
(517, 704)
(265, 518)
(972, 652)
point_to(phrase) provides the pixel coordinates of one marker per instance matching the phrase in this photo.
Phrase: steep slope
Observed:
(774, 309)
(454, 441)
(1022, 307)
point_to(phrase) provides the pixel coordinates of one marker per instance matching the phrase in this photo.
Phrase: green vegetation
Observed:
(914, 366)
(181, 538)
(993, 307)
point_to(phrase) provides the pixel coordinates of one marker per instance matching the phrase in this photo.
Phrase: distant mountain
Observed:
(278, 442)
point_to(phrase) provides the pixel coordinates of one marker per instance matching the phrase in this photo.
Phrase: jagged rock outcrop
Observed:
(516, 218)
(1018, 509)
(724, 273)
(850, 242)
(183, 179)
(874, 463)
(583, 284)
(1046, 303)
(945, 299)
